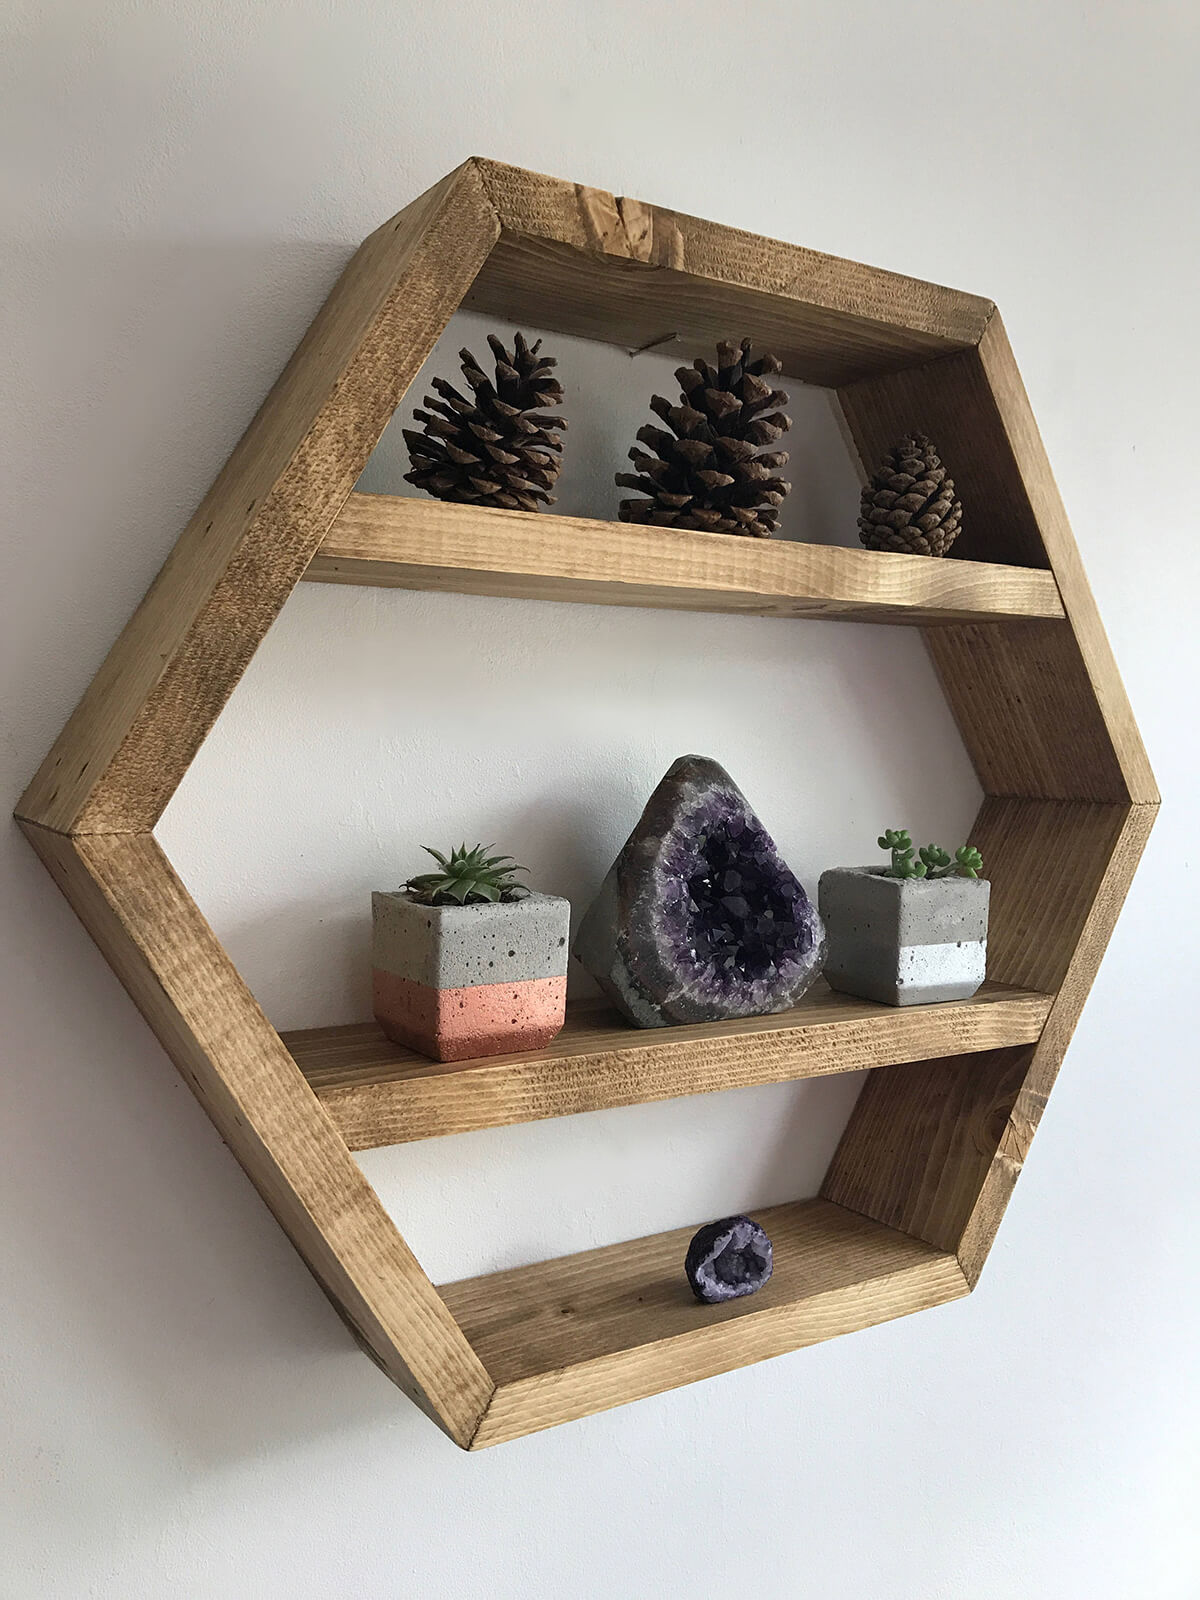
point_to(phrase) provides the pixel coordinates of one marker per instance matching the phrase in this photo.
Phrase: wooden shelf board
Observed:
(407, 543)
(585, 1332)
(379, 1093)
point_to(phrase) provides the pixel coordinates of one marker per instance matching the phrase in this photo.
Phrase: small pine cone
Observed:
(496, 447)
(910, 504)
(710, 471)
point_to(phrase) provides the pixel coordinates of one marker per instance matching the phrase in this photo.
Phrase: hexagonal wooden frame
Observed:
(916, 1189)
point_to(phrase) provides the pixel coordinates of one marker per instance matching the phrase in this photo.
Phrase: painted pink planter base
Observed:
(482, 1019)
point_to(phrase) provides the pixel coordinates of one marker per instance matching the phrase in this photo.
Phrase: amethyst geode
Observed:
(699, 919)
(727, 1259)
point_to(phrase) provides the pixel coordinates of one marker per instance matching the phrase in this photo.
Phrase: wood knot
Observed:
(1016, 1139)
(629, 228)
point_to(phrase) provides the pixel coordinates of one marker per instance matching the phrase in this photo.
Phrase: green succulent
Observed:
(467, 877)
(931, 861)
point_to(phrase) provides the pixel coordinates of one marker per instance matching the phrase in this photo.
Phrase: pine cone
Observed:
(496, 448)
(910, 504)
(708, 472)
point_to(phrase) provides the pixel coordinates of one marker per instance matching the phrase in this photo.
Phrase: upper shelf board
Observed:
(406, 543)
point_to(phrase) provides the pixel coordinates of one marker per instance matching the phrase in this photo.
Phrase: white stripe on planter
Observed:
(936, 966)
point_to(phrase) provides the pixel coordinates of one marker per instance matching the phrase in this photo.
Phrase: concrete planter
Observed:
(476, 980)
(904, 941)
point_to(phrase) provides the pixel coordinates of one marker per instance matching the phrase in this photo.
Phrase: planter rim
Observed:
(911, 883)
(534, 897)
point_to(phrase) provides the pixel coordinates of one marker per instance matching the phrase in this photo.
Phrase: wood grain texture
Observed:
(586, 1332)
(1041, 709)
(920, 1139)
(1121, 854)
(582, 261)
(126, 748)
(379, 1093)
(141, 916)
(1025, 441)
(1024, 705)
(935, 1148)
(951, 400)
(1048, 862)
(427, 544)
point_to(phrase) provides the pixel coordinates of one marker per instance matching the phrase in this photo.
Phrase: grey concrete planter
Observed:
(474, 980)
(904, 941)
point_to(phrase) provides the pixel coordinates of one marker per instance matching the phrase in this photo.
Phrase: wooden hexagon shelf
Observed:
(915, 1191)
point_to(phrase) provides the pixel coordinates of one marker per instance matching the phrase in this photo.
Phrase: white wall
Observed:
(184, 1414)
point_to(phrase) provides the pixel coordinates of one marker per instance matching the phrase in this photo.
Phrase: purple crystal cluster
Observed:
(728, 1259)
(729, 905)
(699, 919)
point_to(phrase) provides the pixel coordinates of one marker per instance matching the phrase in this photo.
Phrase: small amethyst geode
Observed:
(728, 1259)
(698, 919)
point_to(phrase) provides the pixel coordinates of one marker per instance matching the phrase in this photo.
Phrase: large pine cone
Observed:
(709, 472)
(910, 503)
(496, 448)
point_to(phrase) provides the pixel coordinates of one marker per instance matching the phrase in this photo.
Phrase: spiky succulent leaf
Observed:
(467, 877)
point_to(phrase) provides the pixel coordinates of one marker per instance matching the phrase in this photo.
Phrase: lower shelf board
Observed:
(587, 1332)
(379, 1093)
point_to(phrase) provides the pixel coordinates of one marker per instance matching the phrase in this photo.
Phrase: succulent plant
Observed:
(931, 860)
(467, 877)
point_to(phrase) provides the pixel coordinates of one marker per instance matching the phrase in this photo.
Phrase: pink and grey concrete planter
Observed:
(475, 980)
(904, 941)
